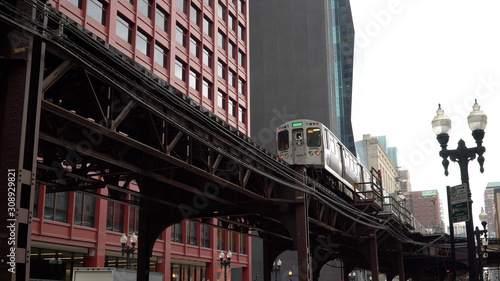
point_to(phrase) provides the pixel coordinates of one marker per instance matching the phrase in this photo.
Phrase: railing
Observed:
(394, 207)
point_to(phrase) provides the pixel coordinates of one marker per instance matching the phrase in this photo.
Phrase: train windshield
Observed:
(314, 137)
(283, 141)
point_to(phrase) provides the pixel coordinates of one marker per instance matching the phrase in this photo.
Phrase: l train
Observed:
(311, 144)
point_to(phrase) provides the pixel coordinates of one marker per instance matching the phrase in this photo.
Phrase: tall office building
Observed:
(491, 199)
(201, 48)
(426, 208)
(301, 60)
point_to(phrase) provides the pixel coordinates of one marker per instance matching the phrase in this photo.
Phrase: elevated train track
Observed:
(84, 117)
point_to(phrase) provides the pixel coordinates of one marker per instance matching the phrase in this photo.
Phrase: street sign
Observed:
(458, 208)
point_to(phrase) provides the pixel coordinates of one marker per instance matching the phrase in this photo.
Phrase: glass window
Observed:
(84, 210)
(231, 49)
(195, 15)
(207, 89)
(180, 70)
(133, 221)
(115, 217)
(231, 77)
(207, 26)
(77, 3)
(124, 29)
(231, 107)
(241, 58)
(182, 5)
(97, 10)
(194, 47)
(232, 241)
(221, 100)
(241, 86)
(192, 233)
(161, 19)
(221, 239)
(221, 39)
(283, 140)
(143, 43)
(221, 11)
(313, 137)
(205, 236)
(241, 114)
(161, 55)
(180, 35)
(243, 244)
(176, 233)
(241, 6)
(241, 32)
(209, 2)
(194, 80)
(221, 69)
(56, 206)
(231, 20)
(144, 6)
(207, 57)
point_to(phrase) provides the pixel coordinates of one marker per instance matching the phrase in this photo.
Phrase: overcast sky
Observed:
(413, 55)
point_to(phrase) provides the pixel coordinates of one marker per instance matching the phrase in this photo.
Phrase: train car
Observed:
(311, 144)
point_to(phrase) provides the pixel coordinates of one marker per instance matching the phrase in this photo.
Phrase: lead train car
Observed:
(311, 144)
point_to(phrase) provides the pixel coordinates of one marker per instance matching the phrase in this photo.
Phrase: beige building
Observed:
(377, 157)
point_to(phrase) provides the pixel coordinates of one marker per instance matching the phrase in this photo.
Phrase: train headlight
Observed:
(311, 153)
(281, 156)
(317, 153)
(286, 155)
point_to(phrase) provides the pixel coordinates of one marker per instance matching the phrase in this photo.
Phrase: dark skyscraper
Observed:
(301, 60)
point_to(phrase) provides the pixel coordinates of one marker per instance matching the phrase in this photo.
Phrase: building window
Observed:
(161, 55)
(195, 15)
(241, 114)
(194, 47)
(124, 29)
(205, 236)
(207, 89)
(241, 32)
(176, 233)
(231, 107)
(209, 2)
(221, 69)
(241, 86)
(243, 244)
(231, 22)
(207, 57)
(221, 39)
(114, 221)
(221, 239)
(182, 5)
(56, 206)
(161, 19)
(180, 35)
(97, 10)
(207, 26)
(231, 50)
(143, 43)
(221, 100)
(241, 58)
(194, 80)
(144, 6)
(192, 233)
(241, 6)
(221, 11)
(180, 70)
(232, 241)
(84, 210)
(231, 77)
(77, 3)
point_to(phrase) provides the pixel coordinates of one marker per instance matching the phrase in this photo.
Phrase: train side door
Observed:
(298, 146)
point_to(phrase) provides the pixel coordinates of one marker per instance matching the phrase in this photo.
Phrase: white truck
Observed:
(110, 274)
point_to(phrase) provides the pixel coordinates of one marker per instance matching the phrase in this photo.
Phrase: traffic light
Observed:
(379, 177)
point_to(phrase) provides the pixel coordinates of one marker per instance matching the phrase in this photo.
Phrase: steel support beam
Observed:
(374, 254)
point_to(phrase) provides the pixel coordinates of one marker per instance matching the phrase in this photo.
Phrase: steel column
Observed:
(374, 254)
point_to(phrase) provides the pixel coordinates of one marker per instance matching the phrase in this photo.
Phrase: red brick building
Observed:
(201, 48)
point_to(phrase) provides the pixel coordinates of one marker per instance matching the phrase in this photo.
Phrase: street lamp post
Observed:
(276, 269)
(128, 250)
(483, 217)
(225, 263)
(441, 124)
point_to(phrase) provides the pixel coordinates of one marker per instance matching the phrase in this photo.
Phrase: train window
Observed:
(298, 137)
(314, 137)
(283, 141)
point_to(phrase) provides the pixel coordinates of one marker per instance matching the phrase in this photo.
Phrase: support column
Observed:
(22, 64)
(399, 257)
(374, 254)
(303, 246)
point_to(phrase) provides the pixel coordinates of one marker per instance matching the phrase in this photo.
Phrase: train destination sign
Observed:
(458, 198)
